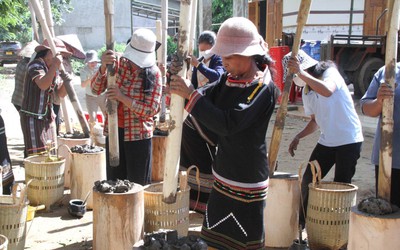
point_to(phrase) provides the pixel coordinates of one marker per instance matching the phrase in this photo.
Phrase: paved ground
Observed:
(58, 230)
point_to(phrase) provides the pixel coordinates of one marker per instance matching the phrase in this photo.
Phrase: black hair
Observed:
(208, 37)
(148, 76)
(318, 70)
(41, 53)
(263, 61)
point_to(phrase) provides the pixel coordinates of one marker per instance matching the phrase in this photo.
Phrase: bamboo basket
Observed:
(160, 215)
(47, 186)
(3, 242)
(328, 211)
(13, 212)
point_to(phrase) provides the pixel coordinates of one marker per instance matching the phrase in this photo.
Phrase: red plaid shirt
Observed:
(137, 120)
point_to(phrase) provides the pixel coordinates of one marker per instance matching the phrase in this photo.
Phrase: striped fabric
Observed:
(20, 72)
(137, 119)
(36, 133)
(37, 116)
(235, 210)
(37, 102)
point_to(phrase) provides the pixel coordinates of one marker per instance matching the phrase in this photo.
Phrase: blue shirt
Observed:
(371, 95)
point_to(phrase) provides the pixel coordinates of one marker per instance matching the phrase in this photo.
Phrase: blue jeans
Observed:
(134, 160)
(345, 157)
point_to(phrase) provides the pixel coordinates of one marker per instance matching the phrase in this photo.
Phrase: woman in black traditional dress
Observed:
(237, 108)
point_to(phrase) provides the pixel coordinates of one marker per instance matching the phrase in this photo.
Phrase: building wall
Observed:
(88, 22)
(326, 17)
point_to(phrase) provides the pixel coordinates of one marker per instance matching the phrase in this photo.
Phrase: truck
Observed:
(358, 57)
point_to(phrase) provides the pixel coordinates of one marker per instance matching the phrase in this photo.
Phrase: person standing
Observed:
(138, 92)
(371, 105)
(327, 100)
(93, 101)
(41, 85)
(237, 108)
(198, 145)
(208, 67)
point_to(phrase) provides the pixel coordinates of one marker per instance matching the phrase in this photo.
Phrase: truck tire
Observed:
(365, 74)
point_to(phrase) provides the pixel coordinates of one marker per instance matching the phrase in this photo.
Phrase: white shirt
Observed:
(335, 115)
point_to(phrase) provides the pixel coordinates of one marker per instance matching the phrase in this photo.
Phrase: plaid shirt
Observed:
(137, 120)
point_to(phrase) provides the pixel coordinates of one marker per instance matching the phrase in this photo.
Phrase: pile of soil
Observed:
(74, 135)
(108, 186)
(376, 206)
(168, 239)
(86, 149)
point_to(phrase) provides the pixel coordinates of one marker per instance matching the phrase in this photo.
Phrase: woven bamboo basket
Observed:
(328, 212)
(66, 153)
(160, 215)
(13, 211)
(47, 186)
(3, 242)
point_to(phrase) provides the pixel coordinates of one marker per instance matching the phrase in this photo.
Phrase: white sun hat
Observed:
(141, 49)
(306, 62)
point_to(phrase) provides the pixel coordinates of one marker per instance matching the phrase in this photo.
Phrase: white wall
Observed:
(320, 26)
(87, 21)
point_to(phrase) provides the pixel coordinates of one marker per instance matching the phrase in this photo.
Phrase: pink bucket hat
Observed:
(238, 36)
(60, 46)
(141, 50)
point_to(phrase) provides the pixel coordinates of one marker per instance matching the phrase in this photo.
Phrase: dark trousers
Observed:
(134, 160)
(5, 159)
(395, 185)
(345, 157)
(56, 109)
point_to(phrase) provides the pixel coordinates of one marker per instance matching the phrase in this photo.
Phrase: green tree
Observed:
(221, 10)
(15, 18)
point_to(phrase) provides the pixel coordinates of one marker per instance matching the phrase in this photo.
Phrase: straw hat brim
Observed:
(74, 45)
(228, 49)
(141, 59)
(28, 49)
(43, 47)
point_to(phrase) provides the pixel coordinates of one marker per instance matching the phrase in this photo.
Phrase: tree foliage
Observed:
(15, 18)
(221, 10)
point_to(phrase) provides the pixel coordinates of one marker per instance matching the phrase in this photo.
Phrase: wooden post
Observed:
(163, 53)
(192, 33)
(49, 16)
(240, 8)
(66, 81)
(34, 23)
(50, 23)
(118, 219)
(386, 148)
(176, 111)
(282, 110)
(161, 59)
(112, 105)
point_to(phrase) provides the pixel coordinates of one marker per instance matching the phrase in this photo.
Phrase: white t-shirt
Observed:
(335, 115)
